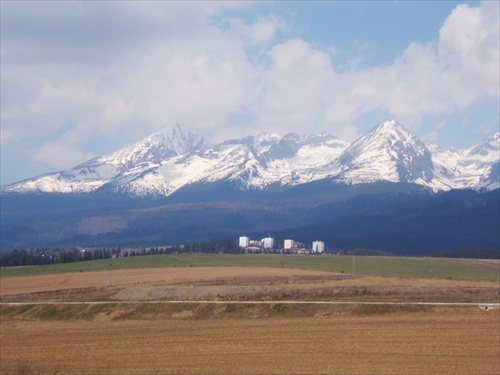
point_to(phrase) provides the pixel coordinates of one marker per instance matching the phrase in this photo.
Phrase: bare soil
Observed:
(239, 284)
(440, 341)
(120, 336)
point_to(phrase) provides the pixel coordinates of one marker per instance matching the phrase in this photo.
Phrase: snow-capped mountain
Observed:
(251, 162)
(130, 161)
(172, 159)
(387, 153)
(470, 168)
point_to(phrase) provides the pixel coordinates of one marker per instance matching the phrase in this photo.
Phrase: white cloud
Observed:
(62, 152)
(431, 137)
(348, 132)
(198, 85)
(295, 87)
(261, 32)
(469, 48)
(461, 68)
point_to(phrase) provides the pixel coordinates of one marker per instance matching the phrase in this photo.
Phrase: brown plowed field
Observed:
(239, 284)
(278, 338)
(146, 276)
(455, 341)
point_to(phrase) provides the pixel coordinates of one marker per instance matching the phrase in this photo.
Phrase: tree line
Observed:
(471, 253)
(46, 256)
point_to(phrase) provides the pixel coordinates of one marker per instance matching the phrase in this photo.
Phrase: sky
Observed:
(82, 78)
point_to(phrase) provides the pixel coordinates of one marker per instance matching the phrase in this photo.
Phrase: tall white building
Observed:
(244, 241)
(318, 247)
(268, 242)
(288, 244)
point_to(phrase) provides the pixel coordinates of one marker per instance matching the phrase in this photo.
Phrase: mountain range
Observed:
(387, 191)
(170, 160)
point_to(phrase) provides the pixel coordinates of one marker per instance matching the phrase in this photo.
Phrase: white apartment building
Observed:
(244, 241)
(268, 242)
(318, 246)
(288, 244)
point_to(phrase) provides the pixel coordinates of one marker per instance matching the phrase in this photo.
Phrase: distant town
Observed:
(289, 246)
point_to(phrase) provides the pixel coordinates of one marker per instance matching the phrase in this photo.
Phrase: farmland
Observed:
(366, 265)
(195, 314)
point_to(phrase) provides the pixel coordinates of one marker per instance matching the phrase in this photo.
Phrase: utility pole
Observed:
(110, 280)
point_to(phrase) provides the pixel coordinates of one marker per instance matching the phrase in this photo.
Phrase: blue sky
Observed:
(79, 79)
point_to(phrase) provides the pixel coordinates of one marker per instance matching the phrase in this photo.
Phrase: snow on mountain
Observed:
(479, 163)
(487, 151)
(237, 163)
(470, 168)
(158, 146)
(300, 159)
(172, 158)
(491, 178)
(446, 173)
(387, 153)
(103, 169)
(251, 162)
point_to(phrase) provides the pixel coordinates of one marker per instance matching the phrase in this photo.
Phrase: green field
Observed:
(363, 265)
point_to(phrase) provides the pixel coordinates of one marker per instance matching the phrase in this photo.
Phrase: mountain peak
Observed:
(388, 152)
(393, 129)
(389, 124)
(488, 150)
(176, 139)
(385, 134)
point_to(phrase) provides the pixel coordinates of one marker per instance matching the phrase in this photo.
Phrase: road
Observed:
(485, 305)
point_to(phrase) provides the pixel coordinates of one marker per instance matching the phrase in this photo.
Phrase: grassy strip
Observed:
(366, 265)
